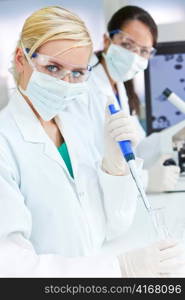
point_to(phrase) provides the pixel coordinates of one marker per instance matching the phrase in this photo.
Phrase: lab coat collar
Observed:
(31, 129)
(27, 122)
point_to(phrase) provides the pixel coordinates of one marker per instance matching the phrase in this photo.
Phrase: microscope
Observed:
(178, 147)
(170, 141)
(178, 139)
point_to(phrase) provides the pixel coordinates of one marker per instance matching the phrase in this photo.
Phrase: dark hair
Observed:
(131, 13)
(118, 20)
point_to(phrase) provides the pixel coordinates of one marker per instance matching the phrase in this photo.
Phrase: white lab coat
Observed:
(100, 89)
(47, 219)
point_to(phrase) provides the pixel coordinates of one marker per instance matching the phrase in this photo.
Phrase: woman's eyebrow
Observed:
(131, 40)
(55, 62)
(63, 65)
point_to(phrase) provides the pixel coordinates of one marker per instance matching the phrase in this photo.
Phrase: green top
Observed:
(65, 155)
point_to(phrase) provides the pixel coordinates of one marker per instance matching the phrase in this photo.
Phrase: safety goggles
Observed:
(126, 41)
(58, 68)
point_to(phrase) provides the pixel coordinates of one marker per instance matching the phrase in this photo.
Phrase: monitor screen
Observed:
(166, 70)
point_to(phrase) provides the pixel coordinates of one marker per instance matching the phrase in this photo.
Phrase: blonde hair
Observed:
(51, 23)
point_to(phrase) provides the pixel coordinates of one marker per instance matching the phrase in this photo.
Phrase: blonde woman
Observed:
(59, 199)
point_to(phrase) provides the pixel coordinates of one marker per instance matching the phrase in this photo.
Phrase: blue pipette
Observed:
(125, 146)
(129, 156)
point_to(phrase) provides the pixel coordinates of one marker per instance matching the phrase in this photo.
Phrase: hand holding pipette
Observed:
(120, 127)
(117, 127)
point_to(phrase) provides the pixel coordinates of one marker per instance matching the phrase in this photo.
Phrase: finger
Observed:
(119, 115)
(168, 253)
(119, 123)
(164, 244)
(126, 137)
(121, 130)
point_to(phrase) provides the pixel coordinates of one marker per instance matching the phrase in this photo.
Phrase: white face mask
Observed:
(50, 95)
(123, 64)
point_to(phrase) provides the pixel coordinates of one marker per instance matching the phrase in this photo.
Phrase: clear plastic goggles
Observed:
(124, 40)
(57, 68)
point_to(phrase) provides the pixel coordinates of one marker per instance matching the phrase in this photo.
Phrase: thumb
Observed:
(168, 243)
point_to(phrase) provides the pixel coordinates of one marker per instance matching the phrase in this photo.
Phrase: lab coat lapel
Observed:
(51, 151)
(28, 124)
(31, 129)
(75, 126)
(69, 134)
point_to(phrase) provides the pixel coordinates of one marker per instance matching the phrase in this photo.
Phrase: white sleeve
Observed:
(17, 255)
(120, 200)
(18, 259)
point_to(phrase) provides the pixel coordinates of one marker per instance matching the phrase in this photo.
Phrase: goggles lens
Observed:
(57, 68)
(126, 41)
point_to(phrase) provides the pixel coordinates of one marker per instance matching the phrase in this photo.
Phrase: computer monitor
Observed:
(166, 70)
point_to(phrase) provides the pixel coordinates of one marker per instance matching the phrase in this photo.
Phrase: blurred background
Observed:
(168, 14)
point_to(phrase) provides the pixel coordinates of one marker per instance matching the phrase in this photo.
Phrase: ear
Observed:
(106, 41)
(19, 60)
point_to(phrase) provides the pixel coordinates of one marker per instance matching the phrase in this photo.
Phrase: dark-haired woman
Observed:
(128, 46)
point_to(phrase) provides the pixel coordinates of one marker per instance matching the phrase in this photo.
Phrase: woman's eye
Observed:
(52, 68)
(77, 74)
(126, 45)
(145, 52)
